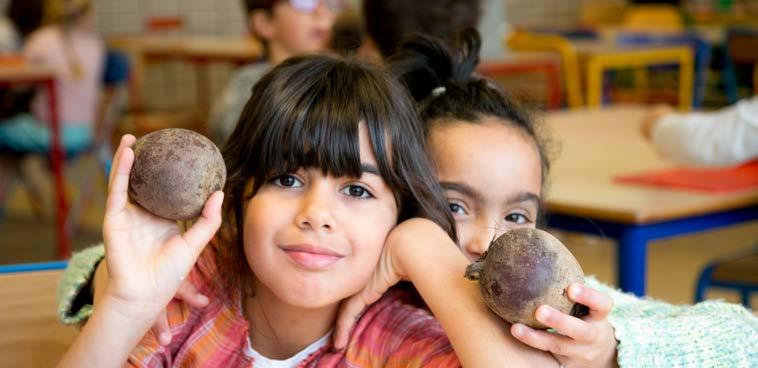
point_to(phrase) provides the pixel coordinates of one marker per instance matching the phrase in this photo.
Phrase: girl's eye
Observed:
(457, 209)
(287, 181)
(517, 218)
(357, 191)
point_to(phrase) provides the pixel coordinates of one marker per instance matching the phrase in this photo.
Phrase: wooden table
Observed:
(599, 56)
(31, 335)
(596, 146)
(31, 74)
(145, 49)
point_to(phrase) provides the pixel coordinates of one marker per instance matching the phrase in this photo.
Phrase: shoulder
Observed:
(43, 36)
(248, 75)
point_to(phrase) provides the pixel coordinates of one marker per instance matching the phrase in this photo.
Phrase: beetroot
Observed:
(523, 269)
(174, 173)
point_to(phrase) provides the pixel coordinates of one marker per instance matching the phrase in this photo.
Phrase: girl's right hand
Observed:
(147, 256)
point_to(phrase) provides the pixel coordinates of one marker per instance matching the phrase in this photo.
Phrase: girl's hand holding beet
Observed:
(586, 342)
(147, 256)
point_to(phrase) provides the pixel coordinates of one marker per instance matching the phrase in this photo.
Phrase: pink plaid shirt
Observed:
(393, 332)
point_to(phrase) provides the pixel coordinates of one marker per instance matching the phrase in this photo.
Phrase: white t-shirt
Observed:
(292, 362)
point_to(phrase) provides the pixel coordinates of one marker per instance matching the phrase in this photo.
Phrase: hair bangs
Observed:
(317, 125)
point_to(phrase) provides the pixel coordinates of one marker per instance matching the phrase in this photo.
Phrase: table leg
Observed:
(594, 82)
(632, 260)
(56, 153)
(686, 78)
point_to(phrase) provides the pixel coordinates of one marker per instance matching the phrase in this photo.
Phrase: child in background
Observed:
(71, 47)
(720, 138)
(286, 28)
(329, 194)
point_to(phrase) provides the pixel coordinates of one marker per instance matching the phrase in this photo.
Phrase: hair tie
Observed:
(439, 91)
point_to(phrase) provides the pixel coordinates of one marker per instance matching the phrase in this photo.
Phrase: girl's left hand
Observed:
(587, 342)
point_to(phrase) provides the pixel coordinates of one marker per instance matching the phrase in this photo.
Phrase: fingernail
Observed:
(518, 330)
(543, 314)
(202, 299)
(576, 290)
(165, 338)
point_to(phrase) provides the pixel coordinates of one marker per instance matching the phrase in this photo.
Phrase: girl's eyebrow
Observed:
(523, 197)
(370, 169)
(461, 188)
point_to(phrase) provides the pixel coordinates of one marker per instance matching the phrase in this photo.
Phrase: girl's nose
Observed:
(479, 242)
(316, 211)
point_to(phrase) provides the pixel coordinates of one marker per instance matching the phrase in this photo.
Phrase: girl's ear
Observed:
(261, 25)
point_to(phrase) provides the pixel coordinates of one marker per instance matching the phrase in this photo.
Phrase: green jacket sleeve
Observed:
(656, 334)
(74, 294)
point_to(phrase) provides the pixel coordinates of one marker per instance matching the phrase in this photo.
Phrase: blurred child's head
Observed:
(292, 27)
(485, 148)
(389, 22)
(327, 158)
(26, 15)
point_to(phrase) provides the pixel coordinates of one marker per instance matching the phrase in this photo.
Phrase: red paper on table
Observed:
(712, 180)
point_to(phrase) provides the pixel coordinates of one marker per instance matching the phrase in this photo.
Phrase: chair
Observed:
(116, 75)
(701, 48)
(32, 335)
(652, 18)
(526, 41)
(740, 49)
(739, 272)
(500, 71)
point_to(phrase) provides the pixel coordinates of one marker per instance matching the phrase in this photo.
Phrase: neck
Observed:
(278, 330)
(277, 54)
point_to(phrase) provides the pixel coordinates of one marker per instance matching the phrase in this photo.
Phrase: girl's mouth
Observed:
(311, 257)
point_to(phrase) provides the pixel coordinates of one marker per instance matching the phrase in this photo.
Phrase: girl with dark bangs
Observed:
(329, 198)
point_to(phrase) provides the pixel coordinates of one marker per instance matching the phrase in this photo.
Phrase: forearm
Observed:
(110, 335)
(478, 336)
(727, 137)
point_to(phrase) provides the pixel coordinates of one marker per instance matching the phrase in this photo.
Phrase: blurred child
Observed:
(721, 138)
(285, 28)
(71, 48)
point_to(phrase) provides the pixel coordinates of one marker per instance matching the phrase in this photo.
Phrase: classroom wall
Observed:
(551, 13)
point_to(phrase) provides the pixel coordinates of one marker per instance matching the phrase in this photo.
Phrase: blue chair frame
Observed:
(705, 281)
(33, 267)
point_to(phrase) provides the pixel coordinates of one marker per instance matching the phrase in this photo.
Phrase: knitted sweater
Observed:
(650, 333)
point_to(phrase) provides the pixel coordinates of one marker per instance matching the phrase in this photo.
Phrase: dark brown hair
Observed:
(445, 86)
(389, 22)
(305, 113)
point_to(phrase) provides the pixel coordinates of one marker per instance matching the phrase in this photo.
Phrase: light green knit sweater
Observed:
(650, 333)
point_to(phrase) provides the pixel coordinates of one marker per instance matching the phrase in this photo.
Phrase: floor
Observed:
(672, 268)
